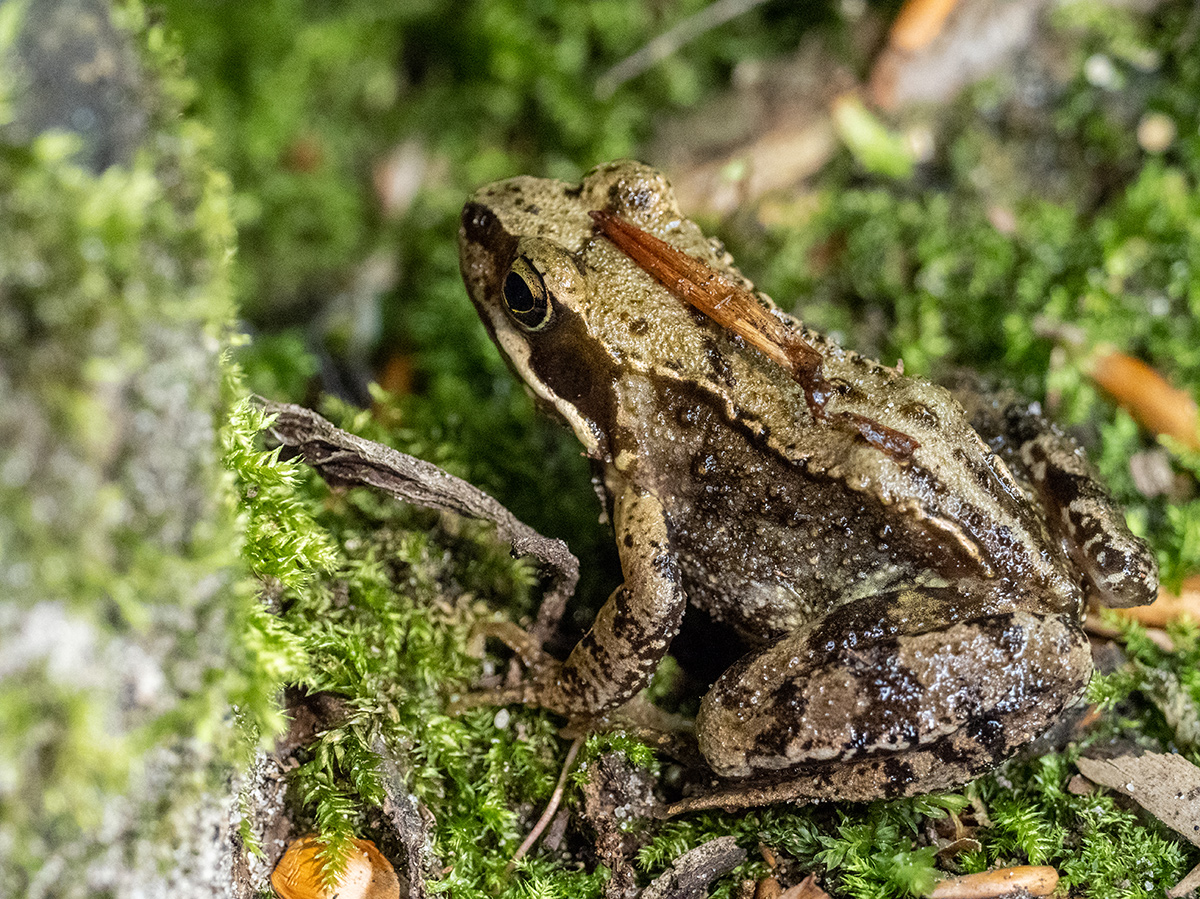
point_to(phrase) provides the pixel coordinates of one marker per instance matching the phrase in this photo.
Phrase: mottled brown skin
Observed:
(914, 620)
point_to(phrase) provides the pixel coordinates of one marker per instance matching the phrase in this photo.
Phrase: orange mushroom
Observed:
(300, 874)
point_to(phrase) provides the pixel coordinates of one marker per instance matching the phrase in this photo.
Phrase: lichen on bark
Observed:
(122, 596)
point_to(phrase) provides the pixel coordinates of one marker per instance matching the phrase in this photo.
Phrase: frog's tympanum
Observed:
(912, 606)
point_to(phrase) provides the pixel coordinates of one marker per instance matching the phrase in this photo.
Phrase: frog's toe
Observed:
(537, 688)
(515, 638)
(542, 671)
(496, 697)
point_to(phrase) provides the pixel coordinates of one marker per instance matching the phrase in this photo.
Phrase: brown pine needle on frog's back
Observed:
(724, 302)
(736, 309)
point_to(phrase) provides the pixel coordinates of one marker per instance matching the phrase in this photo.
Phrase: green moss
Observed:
(875, 850)
(375, 604)
(1099, 848)
(308, 98)
(638, 753)
(398, 658)
(864, 850)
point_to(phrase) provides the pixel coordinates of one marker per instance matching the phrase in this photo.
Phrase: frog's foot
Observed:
(894, 696)
(667, 732)
(548, 683)
(1119, 569)
(516, 638)
(542, 668)
(493, 696)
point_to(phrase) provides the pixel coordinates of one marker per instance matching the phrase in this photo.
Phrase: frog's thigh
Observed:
(963, 696)
(635, 627)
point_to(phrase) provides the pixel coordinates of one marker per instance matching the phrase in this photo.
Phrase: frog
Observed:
(911, 611)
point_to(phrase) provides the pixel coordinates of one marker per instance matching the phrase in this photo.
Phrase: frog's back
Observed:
(778, 518)
(795, 513)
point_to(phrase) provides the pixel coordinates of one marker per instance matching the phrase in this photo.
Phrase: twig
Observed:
(1038, 880)
(1191, 881)
(691, 873)
(347, 459)
(551, 807)
(669, 41)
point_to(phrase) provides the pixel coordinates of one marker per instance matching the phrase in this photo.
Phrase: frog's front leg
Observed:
(633, 630)
(882, 697)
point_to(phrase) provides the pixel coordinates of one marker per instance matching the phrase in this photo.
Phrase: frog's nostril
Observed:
(477, 221)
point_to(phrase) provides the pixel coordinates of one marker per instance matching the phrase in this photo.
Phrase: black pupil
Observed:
(517, 294)
(527, 302)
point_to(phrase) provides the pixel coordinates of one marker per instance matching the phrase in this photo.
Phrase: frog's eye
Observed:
(526, 297)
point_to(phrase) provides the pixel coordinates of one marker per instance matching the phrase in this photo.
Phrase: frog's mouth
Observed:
(564, 372)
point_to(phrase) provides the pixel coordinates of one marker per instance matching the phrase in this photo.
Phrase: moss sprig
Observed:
(1035, 819)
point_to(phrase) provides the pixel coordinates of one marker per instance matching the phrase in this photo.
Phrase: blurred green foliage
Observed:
(308, 96)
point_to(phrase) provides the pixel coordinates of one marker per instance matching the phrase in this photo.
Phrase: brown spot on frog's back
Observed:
(918, 413)
(719, 363)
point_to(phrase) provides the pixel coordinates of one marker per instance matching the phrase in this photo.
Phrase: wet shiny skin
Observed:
(913, 620)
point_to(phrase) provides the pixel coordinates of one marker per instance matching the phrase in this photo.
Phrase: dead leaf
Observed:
(1079, 786)
(952, 48)
(367, 875)
(959, 846)
(768, 888)
(1165, 785)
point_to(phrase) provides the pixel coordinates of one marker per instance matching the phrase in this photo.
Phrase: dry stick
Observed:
(347, 459)
(669, 41)
(551, 807)
(1036, 880)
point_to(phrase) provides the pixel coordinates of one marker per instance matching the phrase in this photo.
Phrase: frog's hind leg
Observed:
(1119, 568)
(896, 694)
